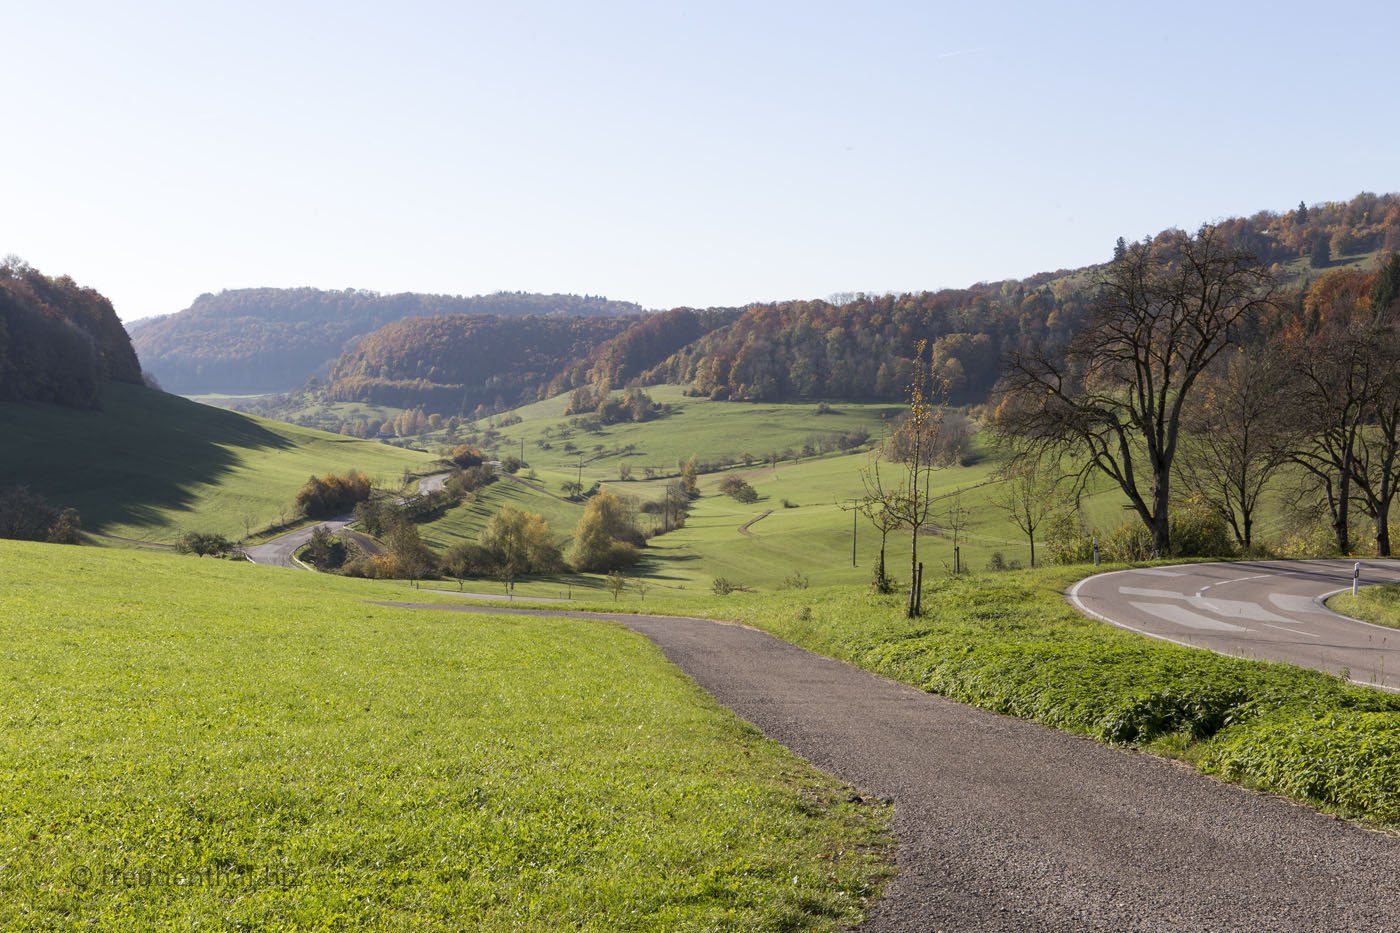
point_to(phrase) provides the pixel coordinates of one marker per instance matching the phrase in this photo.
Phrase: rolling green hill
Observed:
(152, 466)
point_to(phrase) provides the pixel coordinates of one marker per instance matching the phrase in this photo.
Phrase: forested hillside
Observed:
(272, 339)
(59, 342)
(860, 348)
(451, 363)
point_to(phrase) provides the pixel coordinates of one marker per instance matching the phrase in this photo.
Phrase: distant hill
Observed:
(257, 340)
(59, 342)
(862, 348)
(456, 362)
(857, 348)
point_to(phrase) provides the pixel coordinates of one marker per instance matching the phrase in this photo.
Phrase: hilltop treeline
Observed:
(861, 348)
(271, 339)
(59, 342)
(456, 362)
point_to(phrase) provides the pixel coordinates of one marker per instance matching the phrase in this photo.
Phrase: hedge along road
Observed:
(278, 552)
(1008, 825)
(1260, 609)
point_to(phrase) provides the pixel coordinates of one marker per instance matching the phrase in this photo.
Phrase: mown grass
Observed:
(199, 744)
(1379, 605)
(1010, 643)
(153, 466)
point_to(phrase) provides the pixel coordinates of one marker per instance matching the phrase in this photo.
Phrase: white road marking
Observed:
(1293, 631)
(1237, 609)
(1159, 573)
(1289, 602)
(1152, 594)
(1229, 608)
(1182, 616)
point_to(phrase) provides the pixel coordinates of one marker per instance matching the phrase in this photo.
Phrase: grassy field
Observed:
(1379, 605)
(200, 744)
(696, 426)
(811, 535)
(1009, 642)
(152, 466)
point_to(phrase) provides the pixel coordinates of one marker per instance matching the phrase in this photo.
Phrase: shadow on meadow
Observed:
(132, 463)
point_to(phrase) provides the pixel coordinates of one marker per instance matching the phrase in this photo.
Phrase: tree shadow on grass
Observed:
(143, 455)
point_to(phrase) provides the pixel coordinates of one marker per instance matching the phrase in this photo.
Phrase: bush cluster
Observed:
(325, 496)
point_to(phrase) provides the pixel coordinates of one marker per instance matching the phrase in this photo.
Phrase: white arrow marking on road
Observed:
(1182, 616)
(1291, 603)
(1230, 608)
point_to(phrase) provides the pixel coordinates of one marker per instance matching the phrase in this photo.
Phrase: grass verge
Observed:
(1379, 605)
(1010, 643)
(195, 743)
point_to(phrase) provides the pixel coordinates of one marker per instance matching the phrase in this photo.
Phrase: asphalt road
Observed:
(1005, 825)
(278, 552)
(1259, 609)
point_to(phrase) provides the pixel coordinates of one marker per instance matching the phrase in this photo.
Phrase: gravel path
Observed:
(1005, 825)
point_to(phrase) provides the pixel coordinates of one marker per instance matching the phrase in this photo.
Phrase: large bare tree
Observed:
(1344, 404)
(1234, 438)
(1115, 396)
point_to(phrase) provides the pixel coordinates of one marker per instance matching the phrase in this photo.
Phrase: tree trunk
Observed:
(1340, 515)
(1248, 525)
(913, 608)
(1382, 533)
(1161, 521)
(1032, 537)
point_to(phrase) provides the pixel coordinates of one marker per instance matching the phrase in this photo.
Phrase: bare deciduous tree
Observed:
(907, 499)
(1030, 494)
(1234, 438)
(1115, 397)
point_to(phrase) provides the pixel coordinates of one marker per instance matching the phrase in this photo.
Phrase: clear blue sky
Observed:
(669, 153)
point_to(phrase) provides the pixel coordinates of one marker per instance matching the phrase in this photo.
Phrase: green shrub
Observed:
(1200, 531)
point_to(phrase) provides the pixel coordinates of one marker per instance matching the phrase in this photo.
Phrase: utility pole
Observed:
(854, 515)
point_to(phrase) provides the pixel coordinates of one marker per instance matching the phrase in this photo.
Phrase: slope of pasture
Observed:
(153, 466)
(466, 521)
(196, 744)
(706, 429)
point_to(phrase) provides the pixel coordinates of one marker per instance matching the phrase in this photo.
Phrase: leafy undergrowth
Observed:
(1379, 605)
(197, 744)
(1010, 643)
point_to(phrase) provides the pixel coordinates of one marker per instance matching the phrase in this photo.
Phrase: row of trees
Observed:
(1194, 368)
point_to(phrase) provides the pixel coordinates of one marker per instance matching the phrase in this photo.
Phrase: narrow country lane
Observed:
(1006, 825)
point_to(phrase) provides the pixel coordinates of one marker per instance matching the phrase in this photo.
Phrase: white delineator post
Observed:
(1355, 577)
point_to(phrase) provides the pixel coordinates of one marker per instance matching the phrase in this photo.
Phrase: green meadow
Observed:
(801, 522)
(199, 744)
(153, 466)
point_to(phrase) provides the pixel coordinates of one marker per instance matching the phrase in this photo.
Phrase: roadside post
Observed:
(1096, 550)
(1355, 577)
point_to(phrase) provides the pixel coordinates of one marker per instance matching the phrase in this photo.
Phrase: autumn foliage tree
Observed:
(328, 495)
(606, 536)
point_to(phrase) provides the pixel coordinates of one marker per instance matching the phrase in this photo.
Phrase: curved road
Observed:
(1260, 609)
(1006, 825)
(278, 552)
